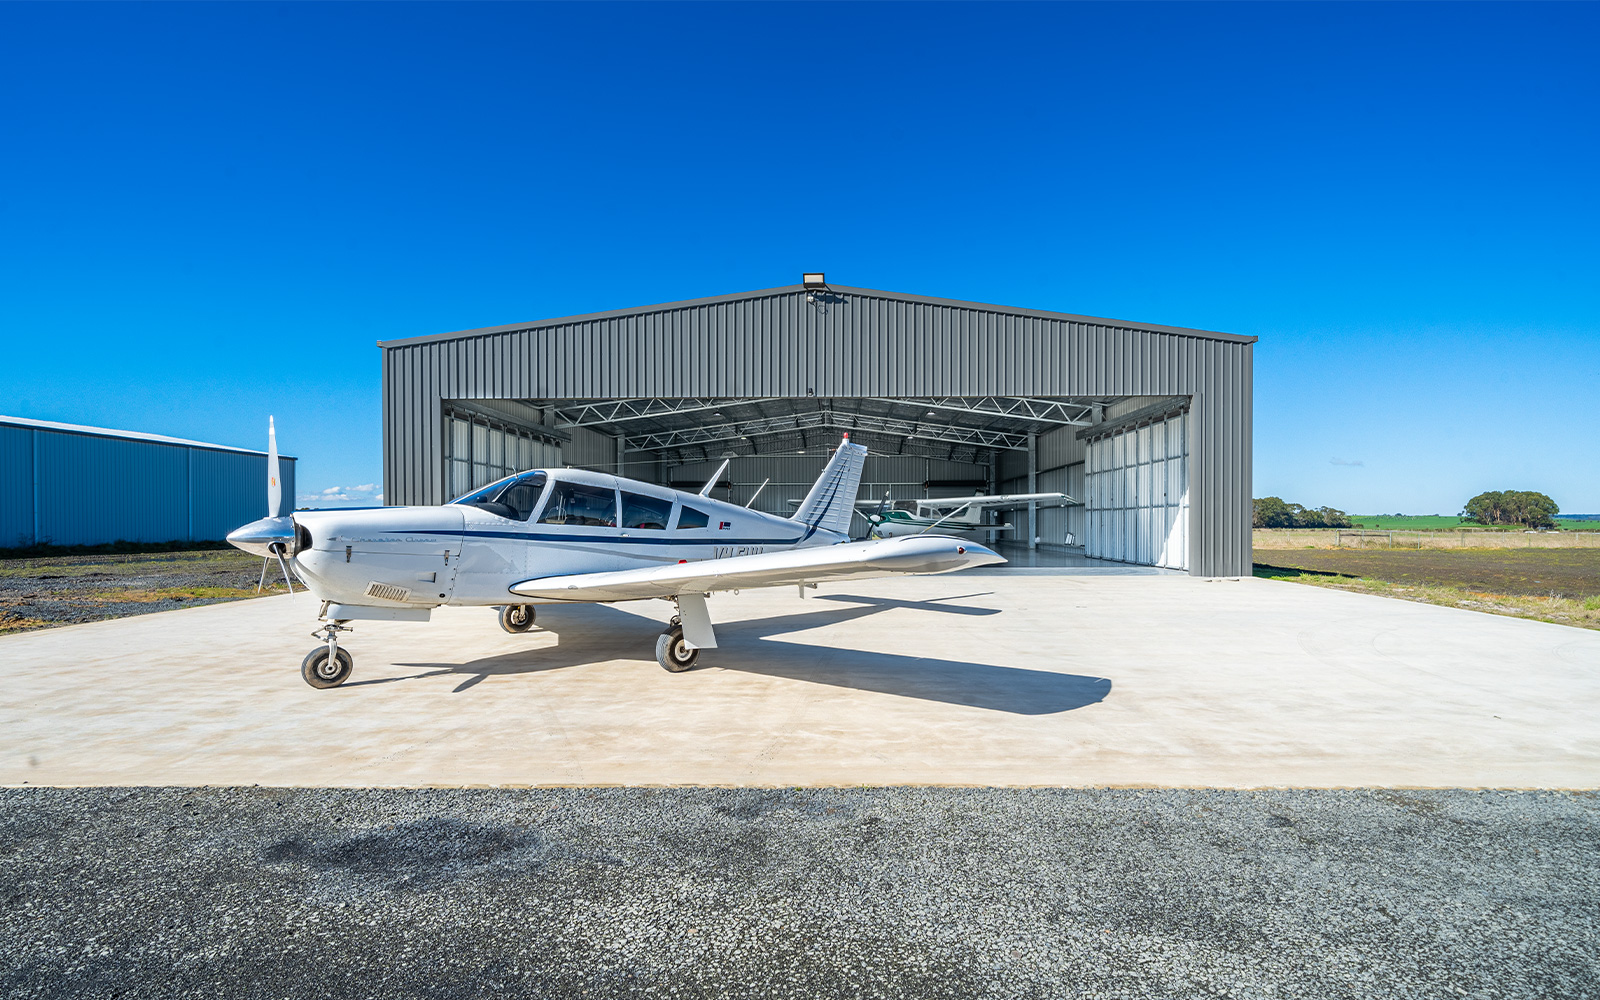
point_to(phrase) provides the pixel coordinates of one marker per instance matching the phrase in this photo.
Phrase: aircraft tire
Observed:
(672, 654)
(314, 668)
(516, 618)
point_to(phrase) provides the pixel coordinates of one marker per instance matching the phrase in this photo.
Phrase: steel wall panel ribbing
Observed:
(16, 486)
(852, 342)
(95, 490)
(167, 492)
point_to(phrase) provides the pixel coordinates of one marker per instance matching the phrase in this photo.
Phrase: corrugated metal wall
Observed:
(66, 488)
(851, 342)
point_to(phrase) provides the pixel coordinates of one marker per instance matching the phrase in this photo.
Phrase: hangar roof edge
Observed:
(789, 289)
(52, 425)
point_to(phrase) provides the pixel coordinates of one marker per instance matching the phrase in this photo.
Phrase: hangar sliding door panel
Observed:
(1137, 493)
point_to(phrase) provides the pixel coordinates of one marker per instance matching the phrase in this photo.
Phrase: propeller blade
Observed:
(261, 584)
(883, 508)
(274, 490)
(277, 550)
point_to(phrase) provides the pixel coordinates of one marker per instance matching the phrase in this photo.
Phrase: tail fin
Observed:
(832, 499)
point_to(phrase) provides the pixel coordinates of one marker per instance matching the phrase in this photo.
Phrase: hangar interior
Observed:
(920, 447)
(1146, 427)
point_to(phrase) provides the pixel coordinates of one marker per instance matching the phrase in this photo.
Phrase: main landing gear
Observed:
(328, 666)
(671, 651)
(516, 618)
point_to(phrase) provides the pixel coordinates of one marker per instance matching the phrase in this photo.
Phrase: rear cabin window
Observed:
(640, 511)
(691, 518)
(575, 503)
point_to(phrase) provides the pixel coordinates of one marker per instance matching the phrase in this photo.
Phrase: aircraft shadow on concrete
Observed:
(591, 633)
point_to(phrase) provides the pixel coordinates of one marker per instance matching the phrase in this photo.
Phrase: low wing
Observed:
(1010, 500)
(846, 561)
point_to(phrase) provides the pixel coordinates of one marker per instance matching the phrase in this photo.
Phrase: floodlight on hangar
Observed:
(814, 281)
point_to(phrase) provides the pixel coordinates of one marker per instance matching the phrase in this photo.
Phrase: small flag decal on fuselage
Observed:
(725, 525)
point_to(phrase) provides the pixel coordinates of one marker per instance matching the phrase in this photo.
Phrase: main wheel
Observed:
(515, 618)
(673, 653)
(320, 673)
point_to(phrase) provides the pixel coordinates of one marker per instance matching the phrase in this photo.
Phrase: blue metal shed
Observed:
(65, 484)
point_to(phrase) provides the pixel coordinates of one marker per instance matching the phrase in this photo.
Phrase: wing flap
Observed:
(847, 561)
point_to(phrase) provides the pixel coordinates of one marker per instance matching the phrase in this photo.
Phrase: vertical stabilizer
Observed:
(832, 499)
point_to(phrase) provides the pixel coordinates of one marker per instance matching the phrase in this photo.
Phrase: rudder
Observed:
(832, 500)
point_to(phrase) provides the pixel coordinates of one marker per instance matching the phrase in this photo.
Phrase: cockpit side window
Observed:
(640, 511)
(578, 504)
(691, 518)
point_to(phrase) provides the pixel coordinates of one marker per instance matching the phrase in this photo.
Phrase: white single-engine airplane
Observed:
(951, 515)
(565, 536)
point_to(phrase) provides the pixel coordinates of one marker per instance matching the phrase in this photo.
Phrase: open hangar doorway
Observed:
(1123, 461)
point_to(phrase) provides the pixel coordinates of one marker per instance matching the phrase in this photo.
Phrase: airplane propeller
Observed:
(270, 536)
(274, 507)
(876, 517)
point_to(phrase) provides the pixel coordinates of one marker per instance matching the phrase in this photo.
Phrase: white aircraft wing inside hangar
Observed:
(1006, 500)
(848, 561)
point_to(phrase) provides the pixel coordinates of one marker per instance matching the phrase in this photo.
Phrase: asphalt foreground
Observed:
(885, 892)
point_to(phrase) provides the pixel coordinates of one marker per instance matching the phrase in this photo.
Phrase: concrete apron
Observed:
(991, 680)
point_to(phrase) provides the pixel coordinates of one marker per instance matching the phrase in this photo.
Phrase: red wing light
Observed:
(961, 550)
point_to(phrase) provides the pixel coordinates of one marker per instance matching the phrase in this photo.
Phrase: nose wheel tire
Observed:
(516, 618)
(319, 672)
(672, 653)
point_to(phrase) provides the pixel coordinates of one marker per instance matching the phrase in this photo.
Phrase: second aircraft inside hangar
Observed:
(1148, 426)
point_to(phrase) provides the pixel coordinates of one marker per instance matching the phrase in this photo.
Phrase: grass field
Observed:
(1554, 585)
(1426, 522)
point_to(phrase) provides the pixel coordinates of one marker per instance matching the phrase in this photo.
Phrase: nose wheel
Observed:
(516, 618)
(327, 666)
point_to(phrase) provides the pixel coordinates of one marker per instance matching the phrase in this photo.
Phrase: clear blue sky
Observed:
(210, 212)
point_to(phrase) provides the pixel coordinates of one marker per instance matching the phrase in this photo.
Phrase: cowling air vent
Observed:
(386, 592)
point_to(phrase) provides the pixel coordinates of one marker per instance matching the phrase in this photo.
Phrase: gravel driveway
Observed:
(817, 893)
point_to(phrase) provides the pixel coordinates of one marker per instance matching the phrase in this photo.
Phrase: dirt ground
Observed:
(64, 590)
(1554, 585)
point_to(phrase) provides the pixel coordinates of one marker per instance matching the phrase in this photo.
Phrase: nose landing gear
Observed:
(328, 666)
(516, 618)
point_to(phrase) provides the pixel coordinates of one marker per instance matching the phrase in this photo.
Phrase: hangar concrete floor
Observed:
(1073, 680)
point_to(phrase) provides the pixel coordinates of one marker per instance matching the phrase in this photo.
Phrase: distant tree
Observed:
(1274, 512)
(1533, 510)
(1331, 517)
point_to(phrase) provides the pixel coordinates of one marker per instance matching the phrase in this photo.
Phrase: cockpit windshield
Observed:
(514, 497)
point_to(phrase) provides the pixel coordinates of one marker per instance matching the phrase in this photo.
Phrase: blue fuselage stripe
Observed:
(533, 536)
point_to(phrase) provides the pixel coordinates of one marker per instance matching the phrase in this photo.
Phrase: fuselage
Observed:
(545, 522)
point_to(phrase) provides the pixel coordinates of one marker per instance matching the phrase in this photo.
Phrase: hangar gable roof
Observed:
(837, 289)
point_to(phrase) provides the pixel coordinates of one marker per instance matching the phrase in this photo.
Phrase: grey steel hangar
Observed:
(1148, 426)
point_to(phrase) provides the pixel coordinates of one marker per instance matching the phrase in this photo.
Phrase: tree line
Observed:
(1509, 507)
(1273, 512)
